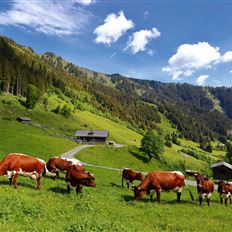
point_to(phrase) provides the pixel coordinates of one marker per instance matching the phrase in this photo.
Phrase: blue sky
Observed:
(169, 41)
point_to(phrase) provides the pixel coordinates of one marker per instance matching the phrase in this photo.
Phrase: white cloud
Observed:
(150, 52)
(227, 57)
(145, 14)
(113, 28)
(49, 17)
(190, 58)
(84, 2)
(202, 79)
(113, 54)
(230, 71)
(139, 40)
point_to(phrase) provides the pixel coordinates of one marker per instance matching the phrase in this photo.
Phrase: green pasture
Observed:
(107, 207)
(130, 156)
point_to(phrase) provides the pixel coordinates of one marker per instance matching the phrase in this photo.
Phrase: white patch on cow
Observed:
(176, 190)
(33, 175)
(69, 184)
(10, 174)
(42, 161)
(74, 161)
(225, 196)
(178, 172)
(205, 195)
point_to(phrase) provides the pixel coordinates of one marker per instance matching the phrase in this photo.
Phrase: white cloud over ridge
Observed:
(190, 58)
(202, 79)
(84, 2)
(51, 17)
(139, 40)
(113, 28)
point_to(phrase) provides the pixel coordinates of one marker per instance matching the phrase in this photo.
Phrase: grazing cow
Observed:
(161, 181)
(75, 178)
(16, 164)
(57, 164)
(225, 191)
(130, 175)
(205, 186)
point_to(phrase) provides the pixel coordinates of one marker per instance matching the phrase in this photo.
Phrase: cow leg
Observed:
(226, 201)
(10, 180)
(221, 200)
(208, 201)
(158, 195)
(79, 188)
(68, 187)
(15, 177)
(200, 200)
(178, 196)
(128, 183)
(39, 182)
(230, 200)
(151, 197)
(57, 174)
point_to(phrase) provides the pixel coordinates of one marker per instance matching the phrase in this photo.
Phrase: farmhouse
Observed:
(222, 171)
(92, 136)
(24, 120)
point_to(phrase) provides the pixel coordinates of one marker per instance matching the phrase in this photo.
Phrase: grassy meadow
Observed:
(107, 207)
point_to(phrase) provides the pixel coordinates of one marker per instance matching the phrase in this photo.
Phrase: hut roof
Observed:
(92, 133)
(222, 163)
(23, 119)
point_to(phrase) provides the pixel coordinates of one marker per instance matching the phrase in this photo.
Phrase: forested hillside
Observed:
(198, 113)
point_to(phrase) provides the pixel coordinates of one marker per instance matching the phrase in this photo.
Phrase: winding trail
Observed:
(71, 155)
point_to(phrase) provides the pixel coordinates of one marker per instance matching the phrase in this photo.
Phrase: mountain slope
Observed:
(190, 108)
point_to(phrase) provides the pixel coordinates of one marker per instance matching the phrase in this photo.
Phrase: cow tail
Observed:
(45, 170)
(190, 193)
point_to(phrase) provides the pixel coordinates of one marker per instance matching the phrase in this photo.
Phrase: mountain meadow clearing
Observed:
(108, 207)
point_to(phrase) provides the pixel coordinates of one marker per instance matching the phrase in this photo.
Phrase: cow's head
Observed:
(138, 192)
(222, 186)
(91, 180)
(140, 176)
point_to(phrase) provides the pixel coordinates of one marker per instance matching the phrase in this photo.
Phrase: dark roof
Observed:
(92, 133)
(23, 119)
(222, 163)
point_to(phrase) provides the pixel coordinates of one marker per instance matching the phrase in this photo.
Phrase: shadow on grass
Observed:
(115, 185)
(59, 190)
(139, 156)
(22, 102)
(55, 179)
(7, 183)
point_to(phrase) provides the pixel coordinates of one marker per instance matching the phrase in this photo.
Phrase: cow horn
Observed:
(139, 188)
(92, 175)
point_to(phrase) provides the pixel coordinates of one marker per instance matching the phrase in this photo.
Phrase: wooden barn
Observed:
(24, 120)
(222, 171)
(92, 136)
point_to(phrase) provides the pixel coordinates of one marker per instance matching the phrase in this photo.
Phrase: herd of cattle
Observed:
(16, 164)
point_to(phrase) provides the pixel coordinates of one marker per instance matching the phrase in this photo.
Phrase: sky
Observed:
(169, 41)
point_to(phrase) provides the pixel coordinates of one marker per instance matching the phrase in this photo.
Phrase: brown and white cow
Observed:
(58, 164)
(130, 175)
(205, 186)
(15, 164)
(161, 181)
(225, 191)
(75, 178)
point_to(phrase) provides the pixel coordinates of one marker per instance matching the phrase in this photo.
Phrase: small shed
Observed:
(92, 136)
(24, 120)
(222, 171)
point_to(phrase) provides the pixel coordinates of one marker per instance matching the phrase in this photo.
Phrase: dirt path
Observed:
(71, 155)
